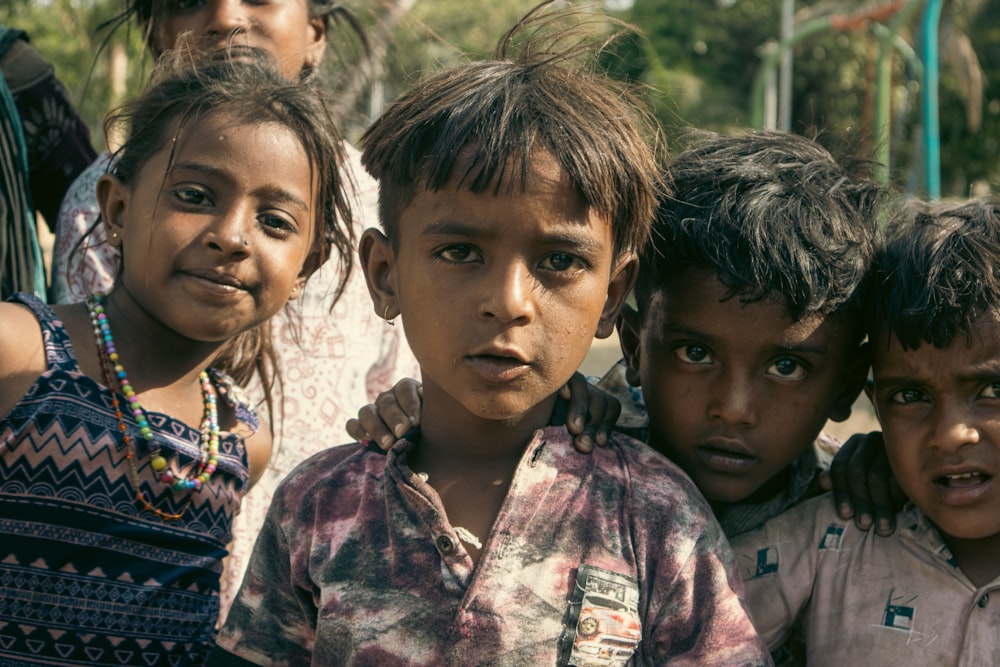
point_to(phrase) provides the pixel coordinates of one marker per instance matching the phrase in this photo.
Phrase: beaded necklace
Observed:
(112, 368)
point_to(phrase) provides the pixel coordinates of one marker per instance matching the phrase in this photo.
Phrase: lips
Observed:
(962, 487)
(496, 364)
(216, 282)
(726, 456)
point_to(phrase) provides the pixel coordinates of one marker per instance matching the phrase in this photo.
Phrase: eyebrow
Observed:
(798, 348)
(271, 192)
(582, 241)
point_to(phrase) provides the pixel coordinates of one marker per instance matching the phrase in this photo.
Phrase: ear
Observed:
(622, 279)
(629, 327)
(316, 31)
(855, 380)
(112, 197)
(309, 267)
(378, 261)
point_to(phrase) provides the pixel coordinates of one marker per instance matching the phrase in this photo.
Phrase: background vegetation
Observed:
(700, 58)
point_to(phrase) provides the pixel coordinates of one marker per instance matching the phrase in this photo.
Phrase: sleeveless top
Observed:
(86, 576)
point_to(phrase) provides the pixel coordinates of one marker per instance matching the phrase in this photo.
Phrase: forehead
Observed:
(696, 298)
(544, 199)
(978, 349)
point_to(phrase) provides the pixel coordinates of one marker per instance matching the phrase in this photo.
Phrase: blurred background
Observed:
(867, 77)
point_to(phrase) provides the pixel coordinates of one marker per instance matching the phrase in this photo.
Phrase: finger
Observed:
(838, 478)
(825, 482)
(409, 395)
(879, 486)
(578, 402)
(857, 479)
(607, 425)
(357, 431)
(394, 418)
(378, 432)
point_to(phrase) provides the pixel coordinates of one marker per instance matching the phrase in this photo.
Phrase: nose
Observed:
(227, 17)
(229, 235)
(732, 399)
(954, 427)
(509, 293)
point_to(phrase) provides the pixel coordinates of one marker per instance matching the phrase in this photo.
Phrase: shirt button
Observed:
(983, 601)
(445, 544)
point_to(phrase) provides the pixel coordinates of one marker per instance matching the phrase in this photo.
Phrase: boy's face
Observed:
(940, 416)
(736, 392)
(501, 295)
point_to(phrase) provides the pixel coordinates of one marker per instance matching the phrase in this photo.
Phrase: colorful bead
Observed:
(113, 368)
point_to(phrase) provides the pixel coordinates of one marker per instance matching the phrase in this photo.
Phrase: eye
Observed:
(788, 369)
(561, 261)
(991, 390)
(907, 396)
(181, 5)
(459, 254)
(194, 196)
(276, 223)
(692, 353)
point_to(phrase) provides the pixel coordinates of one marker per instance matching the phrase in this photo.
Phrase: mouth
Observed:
(496, 365)
(727, 456)
(962, 488)
(217, 281)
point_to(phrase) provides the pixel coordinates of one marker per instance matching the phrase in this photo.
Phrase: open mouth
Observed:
(964, 480)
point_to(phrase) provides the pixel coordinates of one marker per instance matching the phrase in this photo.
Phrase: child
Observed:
(748, 330)
(332, 351)
(923, 595)
(116, 511)
(512, 194)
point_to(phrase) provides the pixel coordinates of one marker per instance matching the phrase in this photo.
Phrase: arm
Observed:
(272, 621)
(258, 452)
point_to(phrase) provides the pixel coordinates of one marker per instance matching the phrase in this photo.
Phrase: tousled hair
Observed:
(770, 214)
(188, 90)
(937, 273)
(487, 118)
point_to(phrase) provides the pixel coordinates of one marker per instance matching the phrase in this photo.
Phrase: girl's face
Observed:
(218, 240)
(281, 27)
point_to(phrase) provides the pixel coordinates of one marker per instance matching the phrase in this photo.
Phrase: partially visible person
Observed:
(923, 595)
(513, 194)
(125, 444)
(44, 146)
(333, 351)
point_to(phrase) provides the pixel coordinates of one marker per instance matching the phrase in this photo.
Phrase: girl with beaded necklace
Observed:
(125, 449)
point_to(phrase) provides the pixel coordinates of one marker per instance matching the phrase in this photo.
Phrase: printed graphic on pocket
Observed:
(607, 626)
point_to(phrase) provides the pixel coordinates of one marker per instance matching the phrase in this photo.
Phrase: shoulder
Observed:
(652, 474)
(336, 467)
(22, 353)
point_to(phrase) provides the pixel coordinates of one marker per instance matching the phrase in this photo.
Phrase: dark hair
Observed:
(771, 213)
(937, 273)
(251, 92)
(487, 117)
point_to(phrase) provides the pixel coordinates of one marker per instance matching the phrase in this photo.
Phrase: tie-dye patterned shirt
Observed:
(592, 560)
(864, 599)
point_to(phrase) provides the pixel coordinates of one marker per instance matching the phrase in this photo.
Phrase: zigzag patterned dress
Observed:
(86, 577)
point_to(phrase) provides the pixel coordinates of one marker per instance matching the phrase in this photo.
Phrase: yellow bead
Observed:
(158, 463)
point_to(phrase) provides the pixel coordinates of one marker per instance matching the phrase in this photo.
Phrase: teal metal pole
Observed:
(932, 126)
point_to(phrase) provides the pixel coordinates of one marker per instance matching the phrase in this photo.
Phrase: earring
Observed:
(385, 316)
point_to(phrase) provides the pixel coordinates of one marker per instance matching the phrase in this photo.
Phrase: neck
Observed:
(154, 356)
(453, 439)
(979, 559)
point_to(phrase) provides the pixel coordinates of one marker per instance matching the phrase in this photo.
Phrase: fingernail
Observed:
(577, 422)
(586, 442)
(387, 441)
(885, 527)
(865, 521)
(845, 510)
(602, 439)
